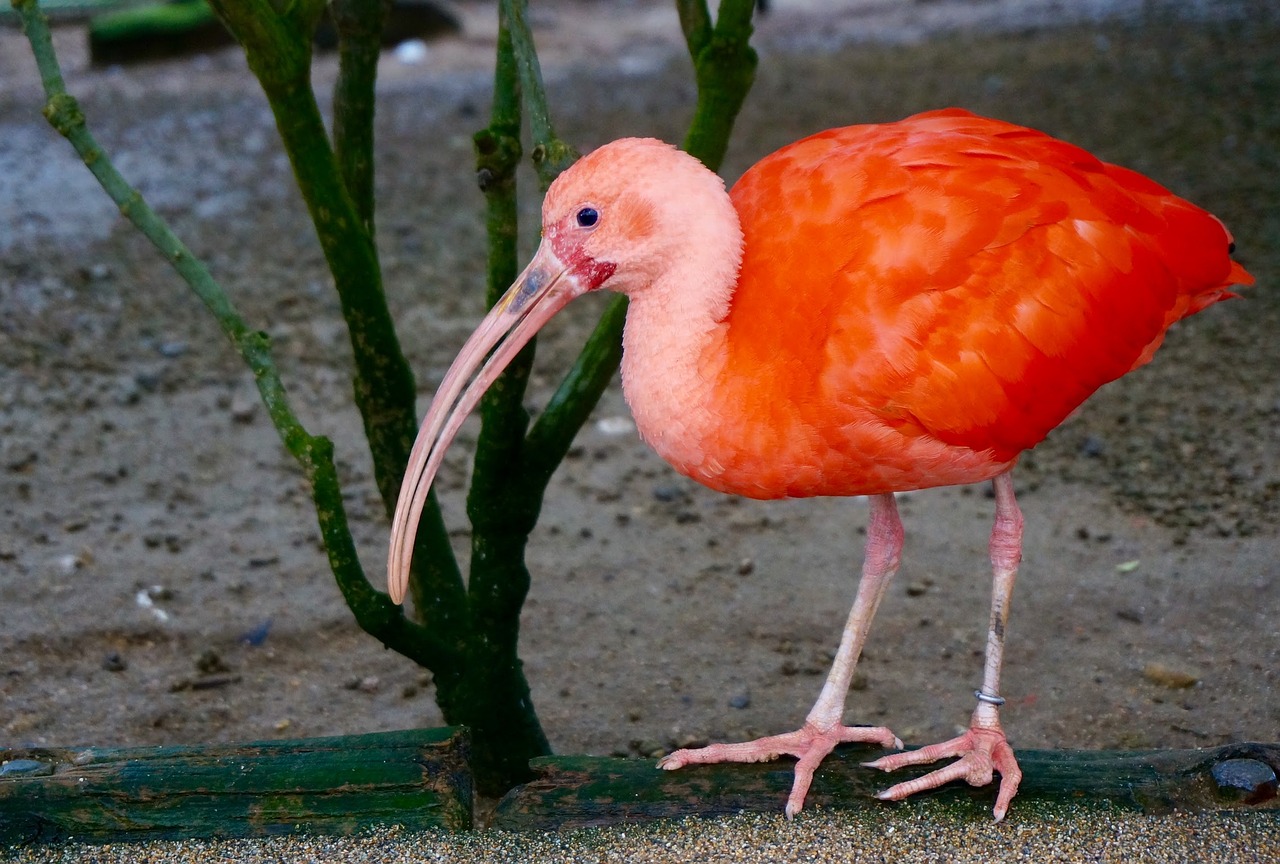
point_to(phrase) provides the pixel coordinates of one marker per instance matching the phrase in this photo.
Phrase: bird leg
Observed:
(983, 749)
(823, 728)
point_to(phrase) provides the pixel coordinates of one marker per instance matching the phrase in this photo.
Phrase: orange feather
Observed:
(919, 302)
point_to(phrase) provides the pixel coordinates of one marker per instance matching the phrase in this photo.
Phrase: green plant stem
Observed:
(277, 47)
(338, 195)
(497, 704)
(359, 26)
(314, 454)
(724, 66)
(503, 416)
(550, 154)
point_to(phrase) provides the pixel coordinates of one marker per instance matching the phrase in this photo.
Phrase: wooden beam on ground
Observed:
(418, 778)
(584, 791)
(158, 31)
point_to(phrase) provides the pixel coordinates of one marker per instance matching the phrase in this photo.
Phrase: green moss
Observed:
(158, 20)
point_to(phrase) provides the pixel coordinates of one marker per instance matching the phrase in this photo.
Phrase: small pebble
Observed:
(128, 393)
(148, 381)
(1250, 779)
(367, 684)
(411, 52)
(689, 740)
(21, 461)
(649, 748)
(613, 426)
(211, 663)
(96, 272)
(667, 494)
(1167, 676)
(146, 600)
(257, 635)
(244, 409)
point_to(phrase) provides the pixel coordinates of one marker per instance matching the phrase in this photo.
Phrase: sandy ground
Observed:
(160, 565)
(919, 835)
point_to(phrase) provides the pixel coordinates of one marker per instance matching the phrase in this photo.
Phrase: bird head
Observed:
(629, 212)
(619, 218)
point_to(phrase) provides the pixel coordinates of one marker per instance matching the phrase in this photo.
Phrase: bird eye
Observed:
(588, 217)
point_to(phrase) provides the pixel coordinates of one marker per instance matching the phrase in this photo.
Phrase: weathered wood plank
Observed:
(418, 778)
(583, 791)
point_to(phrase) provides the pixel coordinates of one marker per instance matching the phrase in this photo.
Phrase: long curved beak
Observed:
(542, 290)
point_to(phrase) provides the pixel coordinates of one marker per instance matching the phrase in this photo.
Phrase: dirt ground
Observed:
(160, 565)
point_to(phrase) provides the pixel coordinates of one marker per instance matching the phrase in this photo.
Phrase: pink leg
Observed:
(823, 729)
(982, 750)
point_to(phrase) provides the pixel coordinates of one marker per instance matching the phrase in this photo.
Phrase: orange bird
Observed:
(870, 310)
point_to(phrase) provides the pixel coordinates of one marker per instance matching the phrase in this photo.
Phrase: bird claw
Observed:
(809, 745)
(982, 753)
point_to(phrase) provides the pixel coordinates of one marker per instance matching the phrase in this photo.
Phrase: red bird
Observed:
(870, 310)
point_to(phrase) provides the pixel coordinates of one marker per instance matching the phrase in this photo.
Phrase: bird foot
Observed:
(809, 745)
(981, 751)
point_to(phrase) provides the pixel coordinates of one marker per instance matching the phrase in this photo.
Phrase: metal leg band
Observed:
(988, 698)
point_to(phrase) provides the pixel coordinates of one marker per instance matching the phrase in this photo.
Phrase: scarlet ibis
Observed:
(869, 310)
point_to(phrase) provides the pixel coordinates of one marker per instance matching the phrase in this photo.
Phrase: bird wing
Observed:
(959, 279)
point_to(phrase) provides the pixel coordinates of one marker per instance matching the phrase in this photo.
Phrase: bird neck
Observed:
(674, 344)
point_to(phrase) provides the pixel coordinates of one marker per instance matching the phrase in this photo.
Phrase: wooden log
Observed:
(417, 778)
(584, 791)
(178, 28)
(69, 11)
(155, 32)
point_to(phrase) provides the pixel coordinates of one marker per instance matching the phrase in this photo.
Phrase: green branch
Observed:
(724, 65)
(550, 154)
(359, 26)
(338, 191)
(695, 21)
(314, 454)
(502, 513)
(277, 47)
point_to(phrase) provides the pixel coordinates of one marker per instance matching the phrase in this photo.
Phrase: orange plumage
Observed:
(870, 310)
(933, 296)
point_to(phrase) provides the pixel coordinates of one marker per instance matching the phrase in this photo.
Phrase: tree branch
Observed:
(314, 454)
